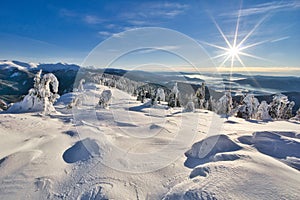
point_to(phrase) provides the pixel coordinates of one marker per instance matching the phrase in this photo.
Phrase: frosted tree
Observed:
(200, 96)
(249, 107)
(297, 117)
(105, 98)
(174, 97)
(288, 112)
(224, 105)
(80, 86)
(3, 105)
(278, 106)
(190, 106)
(211, 104)
(263, 111)
(160, 94)
(41, 97)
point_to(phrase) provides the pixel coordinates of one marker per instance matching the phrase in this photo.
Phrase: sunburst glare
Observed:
(233, 51)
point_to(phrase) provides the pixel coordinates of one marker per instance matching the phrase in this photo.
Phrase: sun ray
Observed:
(253, 56)
(237, 28)
(221, 32)
(240, 60)
(214, 45)
(224, 61)
(221, 55)
(253, 45)
(252, 31)
(234, 50)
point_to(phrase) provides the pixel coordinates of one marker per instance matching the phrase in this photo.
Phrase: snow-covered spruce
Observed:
(224, 105)
(190, 107)
(105, 98)
(281, 107)
(41, 97)
(3, 105)
(249, 108)
(297, 117)
(200, 96)
(263, 111)
(174, 97)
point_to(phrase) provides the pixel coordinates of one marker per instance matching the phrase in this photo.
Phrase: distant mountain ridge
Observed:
(16, 78)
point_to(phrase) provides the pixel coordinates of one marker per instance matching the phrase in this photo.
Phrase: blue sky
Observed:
(67, 31)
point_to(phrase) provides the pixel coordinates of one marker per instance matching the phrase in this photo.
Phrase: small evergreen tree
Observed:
(200, 96)
(105, 98)
(278, 106)
(174, 97)
(297, 117)
(249, 107)
(224, 105)
(263, 111)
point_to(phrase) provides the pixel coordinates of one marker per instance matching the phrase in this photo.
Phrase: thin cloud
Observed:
(155, 10)
(92, 19)
(158, 48)
(264, 8)
(105, 33)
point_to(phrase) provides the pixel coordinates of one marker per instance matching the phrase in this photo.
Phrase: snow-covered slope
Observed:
(135, 151)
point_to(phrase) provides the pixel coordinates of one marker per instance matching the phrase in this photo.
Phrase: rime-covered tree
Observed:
(160, 94)
(297, 117)
(224, 104)
(263, 111)
(211, 104)
(174, 97)
(190, 107)
(288, 112)
(105, 98)
(200, 96)
(278, 106)
(249, 107)
(80, 86)
(41, 97)
(3, 105)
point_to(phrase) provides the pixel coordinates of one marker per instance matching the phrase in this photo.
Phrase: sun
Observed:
(233, 51)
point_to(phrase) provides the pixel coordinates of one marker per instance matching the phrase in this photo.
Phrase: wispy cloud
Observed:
(158, 48)
(86, 18)
(92, 19)
(155, 10)
(105, 33)
(265, 8)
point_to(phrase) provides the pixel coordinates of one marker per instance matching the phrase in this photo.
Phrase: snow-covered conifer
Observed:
(249, 107)
(224, 105)
(200, 96)
(174, 97)
(278, 106)
(105, 98)
(80, 86)
(263, 111)
(41, 97)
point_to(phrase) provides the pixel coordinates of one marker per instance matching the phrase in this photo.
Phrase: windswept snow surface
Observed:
(136, 151)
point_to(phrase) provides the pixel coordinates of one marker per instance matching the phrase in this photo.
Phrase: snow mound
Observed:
(275, 145)
(82, 150)
(211, 146)
(211, 149)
